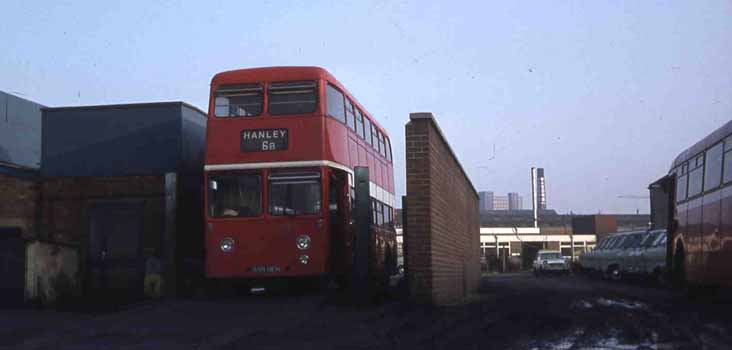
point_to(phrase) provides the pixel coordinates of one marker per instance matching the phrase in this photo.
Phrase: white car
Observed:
(550, 261)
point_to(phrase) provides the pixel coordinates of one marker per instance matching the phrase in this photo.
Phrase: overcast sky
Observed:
(603, 95)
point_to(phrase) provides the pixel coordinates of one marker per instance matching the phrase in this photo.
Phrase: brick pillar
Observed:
(442, 236)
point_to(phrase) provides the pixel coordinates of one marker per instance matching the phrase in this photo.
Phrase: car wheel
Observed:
(615, 273)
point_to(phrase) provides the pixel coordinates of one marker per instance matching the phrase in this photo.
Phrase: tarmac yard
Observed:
(513, 311)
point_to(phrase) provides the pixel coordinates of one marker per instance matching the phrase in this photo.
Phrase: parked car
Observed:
(550, 261)
(640, 253)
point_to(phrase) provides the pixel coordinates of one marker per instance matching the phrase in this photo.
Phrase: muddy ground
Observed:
(513, 311)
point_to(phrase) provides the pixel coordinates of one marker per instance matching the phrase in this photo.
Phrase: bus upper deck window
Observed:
(293, 97)
(243, 100)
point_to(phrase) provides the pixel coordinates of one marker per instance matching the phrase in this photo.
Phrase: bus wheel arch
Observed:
(679, 266)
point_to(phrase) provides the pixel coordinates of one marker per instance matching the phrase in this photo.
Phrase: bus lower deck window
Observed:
(232, 195)
(294, 193)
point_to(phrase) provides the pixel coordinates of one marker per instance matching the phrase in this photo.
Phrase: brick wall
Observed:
(18, 200)
(66, 201)
(443, 223)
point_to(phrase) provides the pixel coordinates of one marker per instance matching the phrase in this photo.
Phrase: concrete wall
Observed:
(442, 237)
(52, 272)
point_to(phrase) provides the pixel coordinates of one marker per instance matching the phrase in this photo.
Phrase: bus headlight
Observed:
(226, 245)
(303, 242)
(304, 259)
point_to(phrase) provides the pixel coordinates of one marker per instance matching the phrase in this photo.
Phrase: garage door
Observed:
(115, 262)
(12, 267)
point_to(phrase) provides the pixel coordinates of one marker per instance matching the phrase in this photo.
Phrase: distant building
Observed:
(490, 201)
(500, 203)
(486, 200)
(540, 189)
(515, 202)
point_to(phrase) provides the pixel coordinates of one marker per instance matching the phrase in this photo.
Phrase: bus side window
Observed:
(681, 183)
(382, 147)
(350, 115)
(713, 167)
(367, 129)
(388, 148)
(375, 137)
(335, 103)
(380, 212)
(359, 123)
(374, 216)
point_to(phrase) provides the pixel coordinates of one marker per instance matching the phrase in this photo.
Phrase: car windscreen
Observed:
(661, 241)
(632, 241)
(618, 242)
(294, 193)
(234, 195)
(242, 100)
(546, 256)
(649, 239)
(292, 97)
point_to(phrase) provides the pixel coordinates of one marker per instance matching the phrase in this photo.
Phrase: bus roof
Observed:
(709, 141)
(287, 73)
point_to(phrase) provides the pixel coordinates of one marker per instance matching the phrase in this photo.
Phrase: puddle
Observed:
(581, 304)
(630, 305)
(608, 341)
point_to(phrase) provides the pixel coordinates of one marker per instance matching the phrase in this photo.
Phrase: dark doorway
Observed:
(115, 263)
(529, 252)
(12, 267)
(338, 208)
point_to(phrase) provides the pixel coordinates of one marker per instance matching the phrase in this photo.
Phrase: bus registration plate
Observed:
(265, 269)
(257, 140)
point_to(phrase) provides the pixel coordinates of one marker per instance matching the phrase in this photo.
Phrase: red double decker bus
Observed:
(700, 197)
(281, 146)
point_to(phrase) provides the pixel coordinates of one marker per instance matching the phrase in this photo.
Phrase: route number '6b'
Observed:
(268, 146)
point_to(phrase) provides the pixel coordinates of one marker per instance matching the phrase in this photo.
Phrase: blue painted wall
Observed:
(20, 131)
(121, 140)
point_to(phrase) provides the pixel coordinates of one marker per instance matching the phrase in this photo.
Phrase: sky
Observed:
(602, 94)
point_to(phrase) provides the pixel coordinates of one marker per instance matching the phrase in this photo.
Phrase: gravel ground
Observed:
(513, 311)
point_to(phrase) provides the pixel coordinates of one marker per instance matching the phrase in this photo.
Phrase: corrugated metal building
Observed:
(123, 182)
